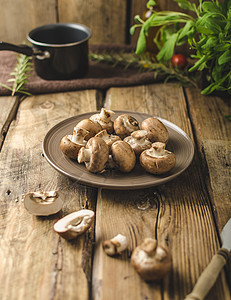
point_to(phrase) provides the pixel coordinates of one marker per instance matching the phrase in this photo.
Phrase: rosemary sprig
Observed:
(144, 62)
(20, 75)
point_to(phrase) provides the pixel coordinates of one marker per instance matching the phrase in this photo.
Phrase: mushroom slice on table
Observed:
(152, 262)
(71, 144)
(116, 245)
(124, 156)
(104, 119)
(157, 160)
(91, 126)
(108, 138)
(95, 155)
(44, 203)
(124, 125)
(138, 141)
(157, 131)
(74, 224)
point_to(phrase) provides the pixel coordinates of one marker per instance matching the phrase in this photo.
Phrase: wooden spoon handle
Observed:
(209, 276)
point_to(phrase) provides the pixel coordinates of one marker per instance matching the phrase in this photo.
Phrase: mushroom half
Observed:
(104, 119)
(124, 125)
(157, 160)
(44, 203)
(74, 224)
(95, 155)
(152, 262)
(157, 131)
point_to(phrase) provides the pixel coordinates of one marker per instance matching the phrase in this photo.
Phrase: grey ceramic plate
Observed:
(179, 143)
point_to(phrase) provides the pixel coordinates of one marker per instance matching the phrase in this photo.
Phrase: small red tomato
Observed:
(179, 61)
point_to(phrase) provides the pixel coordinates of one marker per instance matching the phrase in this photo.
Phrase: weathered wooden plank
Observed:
(106, 19)
(212, 131)
(181, 215)
(35, 262)
(15, 25)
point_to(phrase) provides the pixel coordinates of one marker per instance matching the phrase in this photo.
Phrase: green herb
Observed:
(208, 33)
(20, 75)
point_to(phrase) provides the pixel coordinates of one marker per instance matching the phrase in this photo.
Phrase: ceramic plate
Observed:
(179, 143)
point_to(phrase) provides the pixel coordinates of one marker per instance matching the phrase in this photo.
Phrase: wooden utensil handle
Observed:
(209, 276)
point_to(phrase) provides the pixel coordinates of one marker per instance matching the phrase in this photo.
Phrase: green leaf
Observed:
(185, 4)
(200, 63)
(167, 50)
(141, 43)
(225, 57)
(151, 3)
(187, 30)
(210, 7)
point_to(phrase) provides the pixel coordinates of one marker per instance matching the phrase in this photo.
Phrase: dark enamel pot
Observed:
(60, 51)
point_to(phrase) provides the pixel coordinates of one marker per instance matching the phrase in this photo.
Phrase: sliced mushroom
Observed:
(95, 155)
(157, 160)
(124, 156)
(91, 126)
(44, 203)
(74, 224)
(124, 125)
(116, 245)
(152, 262)
(108, 138)
(157, 131)
(104, 119)
(71, 144)
(138, 141)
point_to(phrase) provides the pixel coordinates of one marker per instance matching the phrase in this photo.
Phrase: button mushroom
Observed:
(71, 144)
(152, 262)
(108, 138)
(116, 245)
(74, 224)
(157, 132)
(124, 125)
(43, 203)
(91, 126)
(95, 155)
(138, 141)
(104, 119)
(124, 156)
(157, 160)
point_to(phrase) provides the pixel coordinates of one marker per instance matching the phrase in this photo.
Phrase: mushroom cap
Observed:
(108, 138)
(152, 262)
(124, 125)
(104, 119)
(138, 141)
(157, 132)
(74, 224)
(69, 148)
(157, 160)
(44, 203)
(95, 154)
(91, 126)
(124, 156)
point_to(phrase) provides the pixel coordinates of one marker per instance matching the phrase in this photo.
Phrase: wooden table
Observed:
(186, 214)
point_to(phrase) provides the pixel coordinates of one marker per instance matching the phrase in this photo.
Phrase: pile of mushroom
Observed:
(100, 143)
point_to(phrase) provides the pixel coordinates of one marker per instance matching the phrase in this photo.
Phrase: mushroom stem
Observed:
(157, 150)
(106, 115)
(79, 135)
(116, 245)
(84, 155)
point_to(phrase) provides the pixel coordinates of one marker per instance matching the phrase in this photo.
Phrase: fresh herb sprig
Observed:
(20, 75)
(208, 33)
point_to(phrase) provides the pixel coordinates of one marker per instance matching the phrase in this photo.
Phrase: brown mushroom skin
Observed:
(159, 164)
(99, 156)
(69, 148)
(152, 262)
(91, 126)
(157, 131)
(124, 125)
(124, 156)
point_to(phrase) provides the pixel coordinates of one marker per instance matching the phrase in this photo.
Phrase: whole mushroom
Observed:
(152, 262)
(157, 131)
(124, 125)
(104, 119)
(138, 141)
(157, 160)
(71, 144)
(95, 155)
(108, 138)
(124, 156)
(91, 126)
